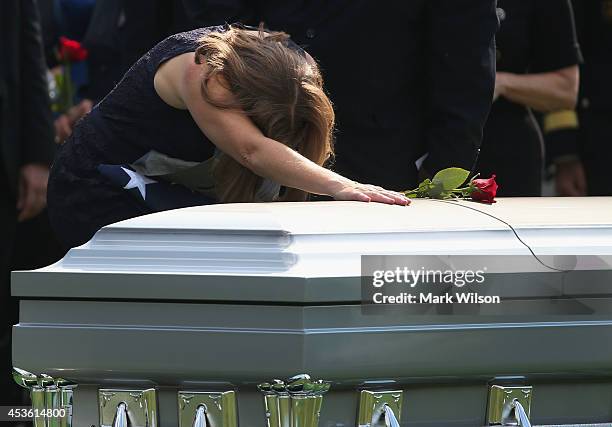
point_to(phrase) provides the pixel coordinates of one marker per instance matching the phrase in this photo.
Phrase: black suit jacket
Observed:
(26, 125)
(406, 77)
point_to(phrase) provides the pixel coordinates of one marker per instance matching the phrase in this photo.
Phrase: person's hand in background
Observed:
(65, 122)
(32, 191)
(62, 129)
(570, 179)
(499, 85)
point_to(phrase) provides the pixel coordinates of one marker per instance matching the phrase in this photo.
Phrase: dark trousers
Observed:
(36, 245)
(512, 149)
(596, 151)
(9, 391)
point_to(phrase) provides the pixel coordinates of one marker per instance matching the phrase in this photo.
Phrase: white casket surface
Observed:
(220, 299)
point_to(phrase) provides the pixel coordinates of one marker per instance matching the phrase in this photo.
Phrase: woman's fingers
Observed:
(382, 198)
(400, 199)
(381, 195)
(390, 197)
(371, 193)
(362, 197)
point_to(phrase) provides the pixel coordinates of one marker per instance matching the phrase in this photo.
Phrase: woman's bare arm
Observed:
(236, 135)
(555, 90)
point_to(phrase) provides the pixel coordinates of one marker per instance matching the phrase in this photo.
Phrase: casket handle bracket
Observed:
(207, 409)
(123, 408)
(380, 408)
(509, 405)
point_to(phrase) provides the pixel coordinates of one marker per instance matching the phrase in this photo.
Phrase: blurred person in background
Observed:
(595, 107)
(35, 243)
(407, 78)
(537, 69)
(26, 150)
(115, 34)
(119, 33)
(563, 159)
(579, 142)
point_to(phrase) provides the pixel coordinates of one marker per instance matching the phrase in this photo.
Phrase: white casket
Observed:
(187, 317)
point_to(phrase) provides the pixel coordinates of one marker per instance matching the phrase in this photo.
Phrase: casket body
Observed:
(225, 297)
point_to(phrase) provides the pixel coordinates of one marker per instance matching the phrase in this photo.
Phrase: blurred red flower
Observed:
(71, 50)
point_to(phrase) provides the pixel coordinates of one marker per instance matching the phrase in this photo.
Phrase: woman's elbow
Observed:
(249, 156)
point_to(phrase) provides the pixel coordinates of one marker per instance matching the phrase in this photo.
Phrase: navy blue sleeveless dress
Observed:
(131, 121)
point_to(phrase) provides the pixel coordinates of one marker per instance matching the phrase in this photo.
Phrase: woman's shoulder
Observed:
(190, 38)
(175, 45)
(169, 78)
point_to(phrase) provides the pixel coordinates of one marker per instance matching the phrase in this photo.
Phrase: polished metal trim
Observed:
(574, 425)
(47, 394)
(203, 408)
(52, 403)
(66, 401)
(140, 407)
(380, 408)
(295, 402)
(508, 404)
(29, 381)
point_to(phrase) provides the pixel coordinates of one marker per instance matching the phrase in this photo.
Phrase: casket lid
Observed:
(295, 251)
(357, 217)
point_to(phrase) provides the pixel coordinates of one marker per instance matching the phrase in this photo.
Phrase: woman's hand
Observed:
(368, 193)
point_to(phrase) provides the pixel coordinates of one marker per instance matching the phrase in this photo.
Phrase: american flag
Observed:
(156, 195)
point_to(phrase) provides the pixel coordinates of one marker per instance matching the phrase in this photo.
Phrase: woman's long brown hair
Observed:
(280, 89)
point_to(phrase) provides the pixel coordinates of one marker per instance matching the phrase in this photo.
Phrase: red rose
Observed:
(71, 50)
(485, 190)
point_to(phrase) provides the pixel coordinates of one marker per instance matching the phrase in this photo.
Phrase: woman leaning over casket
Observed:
(228, 112)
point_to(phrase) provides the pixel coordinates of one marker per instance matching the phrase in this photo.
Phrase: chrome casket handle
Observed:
(121, 419)
(200, 419)
(390, 418)
(520, 414)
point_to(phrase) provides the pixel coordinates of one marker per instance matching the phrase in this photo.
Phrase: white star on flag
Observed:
(138, 181)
